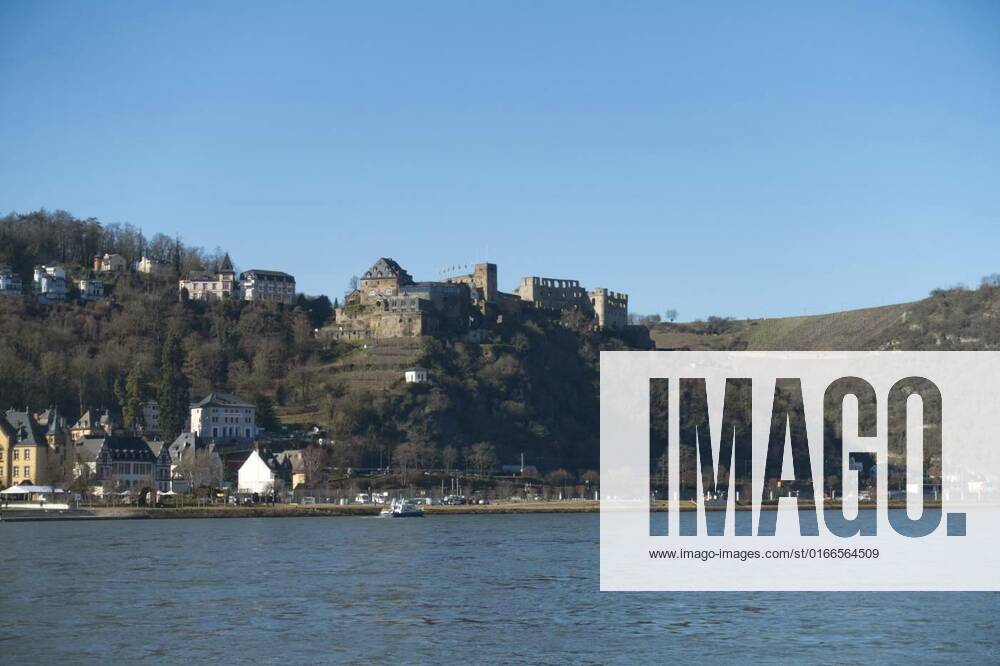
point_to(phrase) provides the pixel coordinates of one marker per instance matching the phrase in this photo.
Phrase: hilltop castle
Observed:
(389, 303)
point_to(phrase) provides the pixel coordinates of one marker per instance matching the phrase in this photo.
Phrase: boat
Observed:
(402, 509)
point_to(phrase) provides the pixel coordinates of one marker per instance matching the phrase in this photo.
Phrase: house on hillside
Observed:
(150, 267)
(10, 282)
(30, 453)
(415, 376)
(263, 473)
(50, 284)
(224, 416)
(210, 286)
(262, 286)
(110, 263)
(91, 289)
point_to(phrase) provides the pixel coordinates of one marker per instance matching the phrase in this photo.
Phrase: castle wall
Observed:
(554, 294)
(611, 308)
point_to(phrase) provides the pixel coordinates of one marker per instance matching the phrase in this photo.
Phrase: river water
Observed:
(443, 589)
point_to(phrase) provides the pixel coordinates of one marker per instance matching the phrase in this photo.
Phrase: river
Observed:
(443, 589)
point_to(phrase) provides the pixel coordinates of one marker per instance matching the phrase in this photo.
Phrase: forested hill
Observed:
(530, 386)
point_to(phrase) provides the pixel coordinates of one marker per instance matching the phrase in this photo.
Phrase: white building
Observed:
(415, 376)
(10, 282)
(262, 473)
(90, 289)
(268, 286)
(224, 416)
(150, 267)
(50, 283)
(211, 286)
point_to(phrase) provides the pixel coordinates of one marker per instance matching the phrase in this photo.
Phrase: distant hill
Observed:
(950, 319)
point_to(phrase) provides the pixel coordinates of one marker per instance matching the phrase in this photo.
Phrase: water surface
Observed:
(455, 589)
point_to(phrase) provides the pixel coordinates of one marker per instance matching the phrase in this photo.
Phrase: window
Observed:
(27, 472)
(17, 454)
(16, 470)
(27, 455)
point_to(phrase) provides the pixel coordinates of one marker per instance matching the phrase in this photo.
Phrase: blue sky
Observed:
(744, 159)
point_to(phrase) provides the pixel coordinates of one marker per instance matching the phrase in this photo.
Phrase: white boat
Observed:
(402, 509)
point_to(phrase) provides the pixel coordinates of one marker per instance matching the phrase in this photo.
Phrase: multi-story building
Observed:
(10, 282)
(383, 279)
(91, 289)
(224, 416)
(211, 286)
(110, 263)
(50, 283)
(29, 454)
(128, 462)
(268, 286)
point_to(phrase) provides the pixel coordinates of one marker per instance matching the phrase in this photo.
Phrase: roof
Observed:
(386, 268)
(187, 441)
(294, 457)
(55, 421)
(214, 399)
(92, 418)
(84, 422)
(261, 271)
(88, 448)
(201, 276)
(128, 448)
(227, 264)
(26, 429)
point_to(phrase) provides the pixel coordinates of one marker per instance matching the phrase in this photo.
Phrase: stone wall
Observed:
(610, 307)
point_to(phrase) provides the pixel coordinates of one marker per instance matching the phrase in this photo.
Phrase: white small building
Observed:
(50, 283)
(10, 282)
(262, 473)
(415, 376)
(90, 289)
(150, 267)
(224, 416)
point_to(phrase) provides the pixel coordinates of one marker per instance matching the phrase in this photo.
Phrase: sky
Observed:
(733, 159)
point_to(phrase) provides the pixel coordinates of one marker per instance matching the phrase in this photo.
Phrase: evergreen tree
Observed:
(174, 397)
(132, 403)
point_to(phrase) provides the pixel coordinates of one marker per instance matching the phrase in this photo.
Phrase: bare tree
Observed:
(483, 457)
(315, 460)
(449, 456)
(201, 468)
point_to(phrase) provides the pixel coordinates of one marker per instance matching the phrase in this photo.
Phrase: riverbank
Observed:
(333, 510)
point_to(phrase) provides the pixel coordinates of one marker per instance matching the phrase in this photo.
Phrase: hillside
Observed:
(952, 319)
